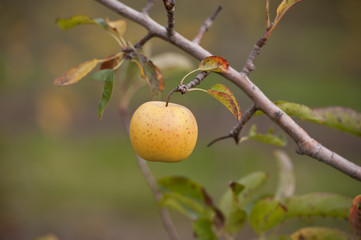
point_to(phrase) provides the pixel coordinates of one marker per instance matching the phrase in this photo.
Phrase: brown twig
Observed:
(235, 132)
(169, 6)
(306, 144)
(249, 66)
(139, 45)
(206, 25)
(185, 87)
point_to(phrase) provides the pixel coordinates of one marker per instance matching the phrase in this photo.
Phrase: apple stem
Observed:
(170, 94)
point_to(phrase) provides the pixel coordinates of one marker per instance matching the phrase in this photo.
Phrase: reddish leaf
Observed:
(226, 97)
(111, 62)
(355, 216)
(75, 74)
(214, 64)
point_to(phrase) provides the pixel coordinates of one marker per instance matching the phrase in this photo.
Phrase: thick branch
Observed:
(306, 144)
(206, 25)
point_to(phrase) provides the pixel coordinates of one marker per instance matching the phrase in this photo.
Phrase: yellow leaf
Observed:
(75, 74)
(226, 97)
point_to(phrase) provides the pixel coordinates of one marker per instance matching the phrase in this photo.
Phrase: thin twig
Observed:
(184, 88)
(169, 6)
(249, 66)
(306, 144)
(206, 25)
(139, 45)
(149, 6)
(236, 131)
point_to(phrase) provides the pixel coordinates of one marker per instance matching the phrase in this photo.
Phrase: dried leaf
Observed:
(75, 74)
(118, 26)
(111, 62)
(107, 92)
(227, 98)
(152, 74)
(67, 23)
(355, 216)
(214, 64)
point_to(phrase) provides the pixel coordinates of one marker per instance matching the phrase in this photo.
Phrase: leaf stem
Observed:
(193, 71)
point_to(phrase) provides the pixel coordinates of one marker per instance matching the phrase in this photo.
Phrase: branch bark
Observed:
(305, 144)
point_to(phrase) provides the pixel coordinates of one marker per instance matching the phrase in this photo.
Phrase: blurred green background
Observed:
(65, 172)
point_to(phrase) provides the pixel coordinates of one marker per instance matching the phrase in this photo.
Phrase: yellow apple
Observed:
(163, 134)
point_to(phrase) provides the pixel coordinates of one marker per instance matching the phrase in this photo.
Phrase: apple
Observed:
(163, 133)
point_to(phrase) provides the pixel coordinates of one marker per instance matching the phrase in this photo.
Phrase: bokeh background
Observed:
(64, 172)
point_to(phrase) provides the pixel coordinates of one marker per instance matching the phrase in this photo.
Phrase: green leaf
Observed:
(234, 200)
(269, 138)
(76, 73)
(355, 216)
(152, 74)
(214, 64)
(235, 219)
(101, 75)
(202, 228)
(319, 204)
(300, 111)
(344, 119)
(227, 98)
(320, 233)
(269, 212)
(251, 182)
(187, 197)
(67, 23)
(286, 176)
(108, 75)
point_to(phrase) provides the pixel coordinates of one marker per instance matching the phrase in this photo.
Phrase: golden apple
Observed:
(163, 134)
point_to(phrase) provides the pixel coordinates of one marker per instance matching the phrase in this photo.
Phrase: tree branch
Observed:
(169, 6)
(149, 6)
(206, 25)
(306, 144)
(235, 132)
